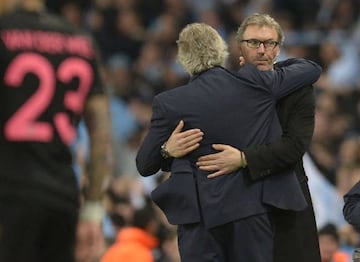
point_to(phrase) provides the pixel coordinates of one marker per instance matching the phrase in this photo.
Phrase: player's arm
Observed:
(99, 166)
(289, 75)
(149, 159)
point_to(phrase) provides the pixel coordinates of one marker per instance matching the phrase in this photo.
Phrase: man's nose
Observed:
(261, 48)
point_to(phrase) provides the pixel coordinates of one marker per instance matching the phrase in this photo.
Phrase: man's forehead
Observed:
(260, 32)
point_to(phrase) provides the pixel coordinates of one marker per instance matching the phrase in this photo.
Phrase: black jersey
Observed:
(47, 71)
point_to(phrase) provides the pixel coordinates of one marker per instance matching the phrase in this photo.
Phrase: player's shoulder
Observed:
(173, 95)
(43, 21)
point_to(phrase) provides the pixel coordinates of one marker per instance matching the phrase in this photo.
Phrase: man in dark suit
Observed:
(226, 218)
(295, 231)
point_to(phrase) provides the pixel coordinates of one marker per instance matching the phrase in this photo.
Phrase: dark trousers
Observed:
(296, 238)
(30, 233)
(244, 240)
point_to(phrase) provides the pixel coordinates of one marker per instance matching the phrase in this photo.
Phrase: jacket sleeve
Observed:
(291, 75)
(148, 158)
(166, 164)
(298, 126)
(351, 208)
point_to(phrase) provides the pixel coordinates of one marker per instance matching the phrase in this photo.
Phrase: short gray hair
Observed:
(200, 47)
(260, 20)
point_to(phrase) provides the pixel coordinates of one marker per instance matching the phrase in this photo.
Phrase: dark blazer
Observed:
(234, 109)
(296, 115)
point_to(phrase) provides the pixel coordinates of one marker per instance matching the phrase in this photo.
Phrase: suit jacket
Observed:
(237, 109)
(296, 115)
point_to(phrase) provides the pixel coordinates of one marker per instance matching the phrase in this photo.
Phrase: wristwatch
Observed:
(164, 153)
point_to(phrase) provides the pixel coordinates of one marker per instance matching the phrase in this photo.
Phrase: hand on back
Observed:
(181, 143)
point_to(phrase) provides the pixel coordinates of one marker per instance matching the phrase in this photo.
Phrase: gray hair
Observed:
(260, 20)
(200, 47)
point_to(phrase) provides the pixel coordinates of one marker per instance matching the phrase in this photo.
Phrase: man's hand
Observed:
(228, 160)
(89, 236)
(89, 241)
(181, 143)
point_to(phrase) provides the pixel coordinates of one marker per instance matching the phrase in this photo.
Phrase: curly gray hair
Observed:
(200, 47)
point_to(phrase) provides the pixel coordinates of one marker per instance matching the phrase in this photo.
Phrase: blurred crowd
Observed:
(137, 46)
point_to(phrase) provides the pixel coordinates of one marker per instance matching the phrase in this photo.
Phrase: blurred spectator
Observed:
(344, 14)
(119, 213)
(129, 34)
(136, 242)
(120, 86)
(303, 12)
(150, 65)
(169, 247)
(332, 125)
(352, 205)
(340, 60)
(212, 18)
(150, 10)
(71, 11)
(233, 62)
(330, 245)
(327, 201)
(348, 171)
(180, 10)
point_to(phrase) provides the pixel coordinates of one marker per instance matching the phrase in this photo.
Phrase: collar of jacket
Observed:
(192, 78)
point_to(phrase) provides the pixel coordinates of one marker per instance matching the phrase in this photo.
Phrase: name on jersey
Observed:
(47, 42)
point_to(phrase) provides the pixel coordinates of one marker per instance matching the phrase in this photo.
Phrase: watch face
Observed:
(164, 153)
